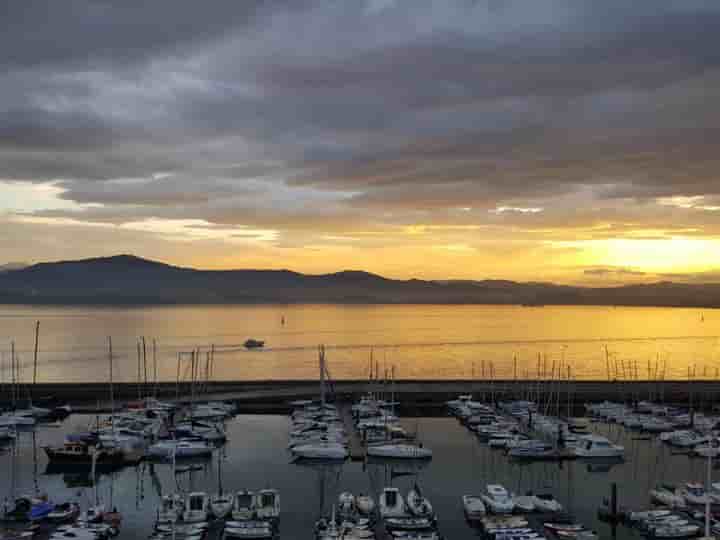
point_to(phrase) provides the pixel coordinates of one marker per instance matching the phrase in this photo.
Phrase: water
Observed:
(423, 342)
(255, 457)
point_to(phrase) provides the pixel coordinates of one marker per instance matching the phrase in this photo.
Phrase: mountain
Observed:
(12, 266)
(125, 279)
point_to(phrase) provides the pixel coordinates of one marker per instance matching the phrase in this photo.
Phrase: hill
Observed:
(125, 279)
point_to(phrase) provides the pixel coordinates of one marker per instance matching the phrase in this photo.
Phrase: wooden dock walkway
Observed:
(355, 444)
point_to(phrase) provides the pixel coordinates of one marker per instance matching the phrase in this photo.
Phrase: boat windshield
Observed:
(267, 499)
(244, 500)
(197, 502)
(391, 498)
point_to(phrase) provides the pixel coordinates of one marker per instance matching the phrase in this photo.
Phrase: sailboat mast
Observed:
(35, 358)
(112, 388)
(322, 374)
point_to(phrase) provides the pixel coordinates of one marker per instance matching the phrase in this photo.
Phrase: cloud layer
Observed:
(352, 128)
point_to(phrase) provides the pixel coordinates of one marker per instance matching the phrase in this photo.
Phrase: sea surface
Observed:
(255, 457)
(421, 341)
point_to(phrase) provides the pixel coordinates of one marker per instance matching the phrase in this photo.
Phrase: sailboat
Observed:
(221, 504)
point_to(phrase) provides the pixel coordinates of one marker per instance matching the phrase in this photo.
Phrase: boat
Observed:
(64, 512)
(243, 506)
(171, 508)
(474, 507)
(221, 505)
(545, 502)
(524, 503)
(365, 504)
(687, 530)
(648, 515)
(408, 523)
(497, 499)
(253, 344)
(596, 446)
(29, 509)
(267, 505)
(695, 493)
(196, 507)
(82, 454)
(418, 504)
(255, 529)
(179, 449)
(321, 450)
(668, 495)
(532, 450)
(399, 451)
(392, 503)
(346, 508)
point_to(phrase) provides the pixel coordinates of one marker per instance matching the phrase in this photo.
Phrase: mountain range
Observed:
(126, 279)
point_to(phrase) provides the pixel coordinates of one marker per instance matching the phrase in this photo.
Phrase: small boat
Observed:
(64, 512)
(524, 503)
(474, 507)
(399, 451)
(327, 450)
(695, 494)
(196, 507)
(221, 505)
(29, 509)
(408, 523)
(596, 446)
(78, 453)
(676, 531)
(365, 504)
(244, 506)
(180, 449)
(564, 527)
(545, 502)
(498, 500)
(648, 515)
(668, 496)
(253, 344)
(392, 503)
(418, 504)
(267, 505)
(171, 508)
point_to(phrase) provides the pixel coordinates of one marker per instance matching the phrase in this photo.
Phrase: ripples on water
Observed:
(423, 342)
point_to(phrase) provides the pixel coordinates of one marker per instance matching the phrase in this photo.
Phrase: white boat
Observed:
(399, 451)
(322, 450)
(524, 503)
(255, 530)
(418, 504)
(648, 515)
(365, 504)
(196, 507)
(474, 507)
(668, 496)
(695, 494)
(179, 449)
(221, 505)
(545, 502)
(267, 504)
(676, 531)
(498, 500)
(392, 503)
(243, 506)
(596, 446)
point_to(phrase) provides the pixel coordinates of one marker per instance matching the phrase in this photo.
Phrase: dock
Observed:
(355, 444)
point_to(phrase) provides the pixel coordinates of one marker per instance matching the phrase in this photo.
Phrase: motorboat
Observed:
(64, 512)
(244, 506)
(648, 515)
(254, 529)
(545, 502)
(418, 504)
(365, 504)
(197, 507)
(82, 454)
(474, 507)
(668, 496)
(676, 531)
(399, 451)
(532, 449)
(322, 450)
(253, 344)
(684, 438)
(180, 449)
(695, 493)
(408, 523)
(524, 503)
(221, 505)
(392, 503)
(596, 446)
(171, 508)
(267, 504)
(29, 509)
(498, 500)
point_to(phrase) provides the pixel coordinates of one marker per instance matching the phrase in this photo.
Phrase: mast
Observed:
(112, 388)
(321, 351)
(35, 358)
(144, 358)
(154, 358)
(139, 377)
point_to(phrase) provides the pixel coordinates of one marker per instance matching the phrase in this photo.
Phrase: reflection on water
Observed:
(256, 457)
(422, 341)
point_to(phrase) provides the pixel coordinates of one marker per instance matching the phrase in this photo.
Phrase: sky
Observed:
(567, 141)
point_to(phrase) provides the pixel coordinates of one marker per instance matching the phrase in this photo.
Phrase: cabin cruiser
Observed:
(83, 454)
(392, 504)
(498, 500)
(321, 450)
(179, 449)
(197, 507)
(474, 507)
(596, 446)
(399, 451)
(267, 504)
(243, 506)
(221, 505)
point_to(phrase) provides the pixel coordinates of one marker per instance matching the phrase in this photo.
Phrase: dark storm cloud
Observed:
(272, 112)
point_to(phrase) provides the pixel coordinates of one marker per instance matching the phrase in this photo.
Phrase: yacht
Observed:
(179, 449)
(267, 504)
(79, 453)
(221, 505)
(392, 503)
(243, 506)
(474, 507)
(196, 507)
(498, 500)
(399, 451)
(321, 450)
(596, 446)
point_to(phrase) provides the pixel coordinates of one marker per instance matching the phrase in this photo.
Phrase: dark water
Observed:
(255, 457)
(423, 342)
